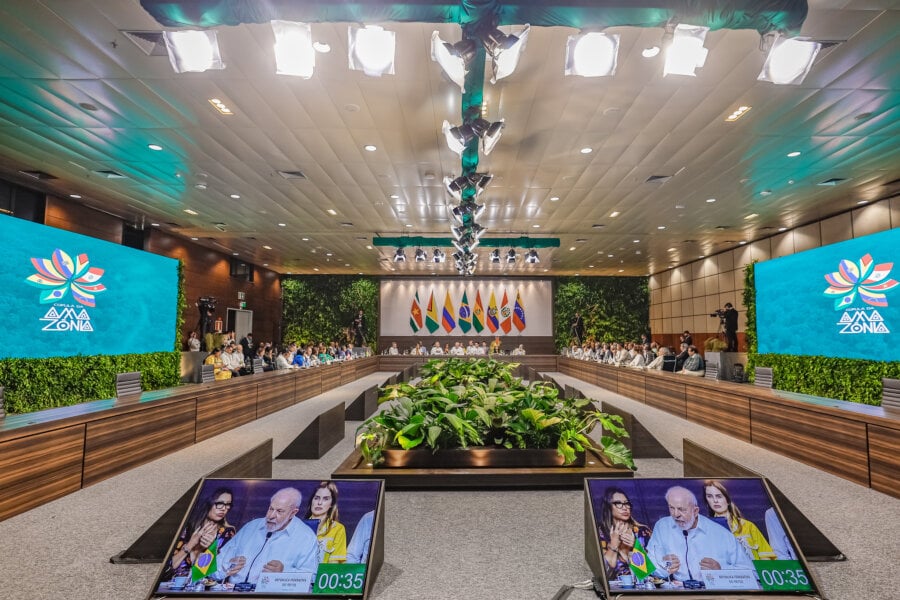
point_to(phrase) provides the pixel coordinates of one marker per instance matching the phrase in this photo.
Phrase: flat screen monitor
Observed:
(276, 538)
(720, 537)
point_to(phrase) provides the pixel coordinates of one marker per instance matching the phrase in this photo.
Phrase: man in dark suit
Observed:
(730, 321)
(248, 345)
(358, 329)
(577, 328)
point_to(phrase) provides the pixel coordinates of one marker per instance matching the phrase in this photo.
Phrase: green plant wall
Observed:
(613, 308)
(840, 378)
(320, 308)
(38, 383)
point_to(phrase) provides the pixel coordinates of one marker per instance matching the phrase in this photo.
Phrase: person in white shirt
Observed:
(282, 361)
(436, 350)
(657, 363)
(519, 351)
(393, 350)
(457, 349)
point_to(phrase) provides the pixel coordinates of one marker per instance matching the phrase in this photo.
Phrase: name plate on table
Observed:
(295, 582)
(730, 579)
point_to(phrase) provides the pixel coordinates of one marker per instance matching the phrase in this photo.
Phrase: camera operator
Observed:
(729, 318)
(576, 329)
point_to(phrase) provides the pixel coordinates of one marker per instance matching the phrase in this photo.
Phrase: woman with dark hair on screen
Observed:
(618, 531)
(725, 512)
(206, 524)
(323, 507)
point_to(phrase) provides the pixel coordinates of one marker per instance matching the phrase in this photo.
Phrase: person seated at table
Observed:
(519, 350)
(361, 541)
(220, 371)
(657, 363)
(205, 525)
(393, 350)
(436, 349)
(618, 530)
(694, 364)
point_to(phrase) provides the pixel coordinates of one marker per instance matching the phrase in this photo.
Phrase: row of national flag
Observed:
(466, 317)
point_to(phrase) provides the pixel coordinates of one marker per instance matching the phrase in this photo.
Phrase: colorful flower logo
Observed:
(866, 279)
(61, 274)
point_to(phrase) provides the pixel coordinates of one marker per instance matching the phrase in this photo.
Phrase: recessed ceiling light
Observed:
(671, 250)
(154, 224)
(236, 196)
(265, 264)
(304, 239)
(370, 148)
(610, 255)
(76, 196)
(315, 268)
(702, 256)
(536, 226)
(554, 198)
(234, 253)
(661, 227)
(710, 200)
(572, 248)
(409, 224)
(751, 216)
(156, 147)
(329, 254)
(586, 150)
(737, 114)
(282, 224)
(195, 239)
(368, 247)
(637, 241)
(190, 212)
(267, 247)
(863, 202)
(782, 229)
(331, 212)
(766, 193)
(650, 52)
(590, 266)
(200, 186)
(679, 206)
(742, 242)
(394, 196)
(614, 214)
(793, 154)
(621, 270)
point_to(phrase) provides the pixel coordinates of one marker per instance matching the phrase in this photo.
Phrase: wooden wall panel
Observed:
(719, 410)
(331, 376)
(831, 443)
(121, 442)
(275, 393)
(224, 409)
(366, 366)
(36, 469)
(884, 459)
(631, 384)
(308, 384)
(666, 393)
(607, 378)
(65, 214)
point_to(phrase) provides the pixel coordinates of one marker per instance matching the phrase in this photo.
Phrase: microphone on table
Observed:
(245, 585)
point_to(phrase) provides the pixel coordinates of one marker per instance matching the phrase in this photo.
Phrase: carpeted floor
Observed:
(466, 545)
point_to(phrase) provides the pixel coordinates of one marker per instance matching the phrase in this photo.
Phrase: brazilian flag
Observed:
(205, 563)
(640, 563)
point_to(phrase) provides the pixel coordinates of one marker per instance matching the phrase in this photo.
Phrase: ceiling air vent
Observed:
(37, 175)
(110, 174)
(832, 182)
(292, 174)
(150, 42)
(658, 178)
(220, 226)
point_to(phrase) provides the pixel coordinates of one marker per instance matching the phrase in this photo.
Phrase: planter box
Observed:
(467, 458)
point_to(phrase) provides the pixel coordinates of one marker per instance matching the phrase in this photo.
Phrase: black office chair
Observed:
(763, 377)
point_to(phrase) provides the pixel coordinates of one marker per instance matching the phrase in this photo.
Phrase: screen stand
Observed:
(641, 442)
(702, 462)
(364, 406)
(320, 436)
(152, 545)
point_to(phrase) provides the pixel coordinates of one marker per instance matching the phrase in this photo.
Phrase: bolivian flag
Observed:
(478, 313)
(431, 318)
(447, 319)
(465, 315)
(205, 563)
(519, 313)
(640, 563)
(493, 322)
(415, 314)
(505, 314)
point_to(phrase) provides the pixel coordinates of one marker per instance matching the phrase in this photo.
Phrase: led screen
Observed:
(274, 538)
(70, 294)
(700, 536)
(841, 300)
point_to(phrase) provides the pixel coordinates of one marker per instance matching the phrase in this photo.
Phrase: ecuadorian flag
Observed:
(205, 563)
(519, 313)
(465, 315)
(415, 314)
(478, 313)
(493, 322)
(640, 563)
(447, 317)
(431, 320)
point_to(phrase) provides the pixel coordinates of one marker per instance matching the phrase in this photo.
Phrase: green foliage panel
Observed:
(320, 308)
(613, 308)
(36, 384)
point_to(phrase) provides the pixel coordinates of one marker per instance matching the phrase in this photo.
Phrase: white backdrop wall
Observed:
(397, 296)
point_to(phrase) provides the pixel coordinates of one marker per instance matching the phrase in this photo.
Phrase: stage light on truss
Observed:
(399, 255)
(511, 255)
(294, 52)
(492, 135)
(454, 59)
(439, 256)
(531, 257)
(495, 255)
(193, 51)
(505, 51)
(593, 54)
(371, 50)
(789, 61)
(467, 211)
(686, 53)
(459, 136)
(421, 255)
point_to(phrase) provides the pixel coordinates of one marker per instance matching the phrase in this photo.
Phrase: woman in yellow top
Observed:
(323, 506)
(495, 346)
(727, 514)
(215, 359)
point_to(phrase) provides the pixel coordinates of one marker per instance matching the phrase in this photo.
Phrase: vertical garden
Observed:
(320, 308)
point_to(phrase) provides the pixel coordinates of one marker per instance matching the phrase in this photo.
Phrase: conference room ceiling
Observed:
(80, 101)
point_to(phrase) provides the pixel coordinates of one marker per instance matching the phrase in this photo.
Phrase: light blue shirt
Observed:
(358, 548)
(707, 540)
(295, 546)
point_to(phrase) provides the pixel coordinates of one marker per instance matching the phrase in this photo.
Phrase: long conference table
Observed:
(47, 454)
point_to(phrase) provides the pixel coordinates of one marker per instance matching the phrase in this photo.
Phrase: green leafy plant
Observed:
(613, 308)
(715, 344)
(461, 403)
(320, 308)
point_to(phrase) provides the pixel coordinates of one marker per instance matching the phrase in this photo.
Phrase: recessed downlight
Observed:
(331, 212)
(793, 154)
(236, 196)
(370, 148)
(614, 214)
(650, 52)
(554, 198)
(155, 147)
(710, 200)
(586, 150)
(75, 196)
(191, 211)
(282, 224)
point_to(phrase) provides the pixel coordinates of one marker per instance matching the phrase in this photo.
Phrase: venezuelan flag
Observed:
(415, 314)
(431, 319)
(519, 313)
(505, 314)
(640, 563)
(447, 317)
(465, 315)
(205, 563)
(493, 322)
(478, 313)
